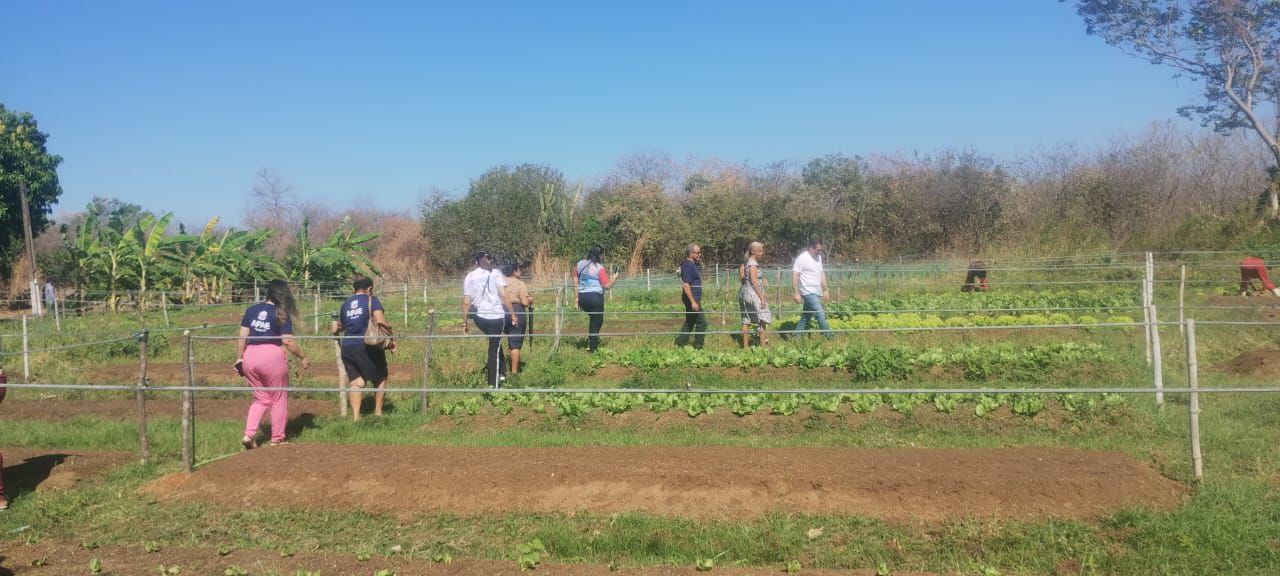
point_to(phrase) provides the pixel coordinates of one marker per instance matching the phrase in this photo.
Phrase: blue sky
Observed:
(176, 105)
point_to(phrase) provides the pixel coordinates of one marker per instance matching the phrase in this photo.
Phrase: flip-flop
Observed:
(280, 443)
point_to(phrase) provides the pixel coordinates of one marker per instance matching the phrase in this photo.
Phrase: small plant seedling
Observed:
(286, 552)
(307, 573)
(791, 567)
(41, 561)
(223, 550)
(989, 571)
(234, 571)
(442, 558)
(174, 570)
(363, 556)
(89, 545)
(384, 573)
(95, 566)
(530, 554)
(706, 564)
(882, 569)
(151, 547)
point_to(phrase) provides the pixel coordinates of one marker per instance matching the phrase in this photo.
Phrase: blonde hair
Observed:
(751, 248)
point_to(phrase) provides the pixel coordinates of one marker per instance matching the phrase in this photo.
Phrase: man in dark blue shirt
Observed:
(691, 295)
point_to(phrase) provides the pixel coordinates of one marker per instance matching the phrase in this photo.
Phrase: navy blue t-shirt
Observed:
(692, 275)
(355, 317)
(261, 320)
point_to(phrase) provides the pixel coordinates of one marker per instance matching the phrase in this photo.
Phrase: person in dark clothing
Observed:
(691, 295)
(976, 278)
(365, 365)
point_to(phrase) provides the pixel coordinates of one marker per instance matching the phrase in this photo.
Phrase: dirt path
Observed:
(66, 558)
(55, 410)
(910, 485)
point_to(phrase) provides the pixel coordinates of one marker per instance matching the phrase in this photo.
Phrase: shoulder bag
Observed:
(375, 335)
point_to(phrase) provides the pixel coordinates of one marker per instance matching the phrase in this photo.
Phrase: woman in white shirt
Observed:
(484, 300)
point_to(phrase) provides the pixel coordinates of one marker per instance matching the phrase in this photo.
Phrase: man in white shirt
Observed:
(809, 283)
(484, 300)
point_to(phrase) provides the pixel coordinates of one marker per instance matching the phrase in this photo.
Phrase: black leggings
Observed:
(495, 366)
(593, 304)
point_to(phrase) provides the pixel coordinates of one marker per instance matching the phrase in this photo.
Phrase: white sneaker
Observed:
(1276, 291)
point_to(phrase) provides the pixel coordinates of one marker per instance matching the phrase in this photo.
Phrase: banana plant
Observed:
(343, 254)
(148, 236)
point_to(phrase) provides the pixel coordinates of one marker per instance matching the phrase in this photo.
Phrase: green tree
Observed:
(1232, 46)
(24, 159)
(510, 211)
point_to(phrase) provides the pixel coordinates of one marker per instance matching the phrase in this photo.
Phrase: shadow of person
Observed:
(30, 473)
(294, 427)
(5, 571)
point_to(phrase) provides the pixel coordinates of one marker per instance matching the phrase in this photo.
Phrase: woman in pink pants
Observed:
(265, 333)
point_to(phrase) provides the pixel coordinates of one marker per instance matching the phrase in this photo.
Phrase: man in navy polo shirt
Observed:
(691, 295)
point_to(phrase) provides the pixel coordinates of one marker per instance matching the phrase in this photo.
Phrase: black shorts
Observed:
(515, 334)
(365, 362)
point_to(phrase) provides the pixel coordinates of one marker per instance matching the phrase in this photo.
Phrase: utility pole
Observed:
(31, 249)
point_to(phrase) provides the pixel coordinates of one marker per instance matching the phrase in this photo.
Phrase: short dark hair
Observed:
(594, 253)
(815, 241)
(362, 283)
(508, 269)
(482, 254)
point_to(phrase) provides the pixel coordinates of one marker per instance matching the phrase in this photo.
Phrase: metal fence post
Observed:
(1193, 405)
(164, 307)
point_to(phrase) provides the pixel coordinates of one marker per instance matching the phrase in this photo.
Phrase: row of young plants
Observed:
(574, 406)
(976, 361)
(910, 320)
(1043, 299)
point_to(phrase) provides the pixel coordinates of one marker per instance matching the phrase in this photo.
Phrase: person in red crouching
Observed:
(1253, 268)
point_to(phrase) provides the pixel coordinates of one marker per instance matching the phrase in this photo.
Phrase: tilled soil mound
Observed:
(703, 482)
(64, 558)
(1255, 363)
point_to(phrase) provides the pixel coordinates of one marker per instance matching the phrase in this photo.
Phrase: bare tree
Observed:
(273, 205)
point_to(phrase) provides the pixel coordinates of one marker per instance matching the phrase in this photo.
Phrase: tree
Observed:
(1233, 46)
(24, 159)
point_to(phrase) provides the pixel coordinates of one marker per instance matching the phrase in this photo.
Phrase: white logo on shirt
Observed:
(262, 315)
(355, 304)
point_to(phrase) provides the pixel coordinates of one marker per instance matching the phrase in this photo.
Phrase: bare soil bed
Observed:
(906, 485)
(68, 558)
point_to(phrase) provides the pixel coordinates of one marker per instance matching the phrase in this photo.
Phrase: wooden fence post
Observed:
(1193, 405)
(342, 378)
(188, 406)
(426, 357)
(144, 447)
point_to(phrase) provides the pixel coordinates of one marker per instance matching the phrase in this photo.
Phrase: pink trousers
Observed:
(266, 369)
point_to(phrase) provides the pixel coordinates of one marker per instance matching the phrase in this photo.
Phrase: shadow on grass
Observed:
(28, 475)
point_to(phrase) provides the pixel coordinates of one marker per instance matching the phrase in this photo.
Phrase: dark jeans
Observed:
(495, 365)
(593, 304)
(693, 321)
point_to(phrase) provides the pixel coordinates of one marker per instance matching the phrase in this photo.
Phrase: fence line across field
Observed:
(1151, 323)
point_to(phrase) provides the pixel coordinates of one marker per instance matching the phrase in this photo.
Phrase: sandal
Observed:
(280, 443)
(248, 443)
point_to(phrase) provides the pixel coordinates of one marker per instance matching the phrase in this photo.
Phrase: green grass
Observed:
(1230, 523)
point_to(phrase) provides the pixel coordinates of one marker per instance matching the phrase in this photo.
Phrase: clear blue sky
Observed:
(176, 105)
